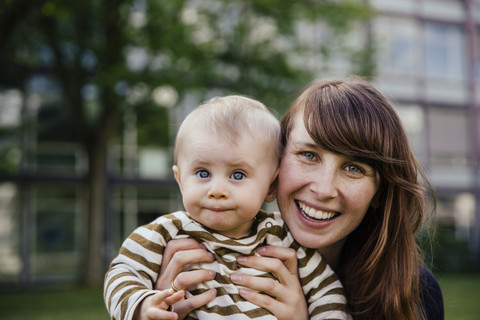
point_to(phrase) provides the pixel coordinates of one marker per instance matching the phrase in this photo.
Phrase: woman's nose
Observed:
(218, 190)
(325, 184)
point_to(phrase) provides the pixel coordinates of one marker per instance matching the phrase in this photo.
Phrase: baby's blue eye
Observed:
(238, 175)
(203, 174)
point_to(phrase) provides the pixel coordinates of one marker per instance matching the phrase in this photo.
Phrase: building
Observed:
(429, 63)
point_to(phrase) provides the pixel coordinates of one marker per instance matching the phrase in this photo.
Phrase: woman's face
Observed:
(323, 196)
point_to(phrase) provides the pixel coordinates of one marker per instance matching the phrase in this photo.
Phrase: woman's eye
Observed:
(309, 155)
(203, 174)
(354, 168)
(238, 175)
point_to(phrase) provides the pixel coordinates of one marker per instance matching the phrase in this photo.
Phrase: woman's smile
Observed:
(314, 213)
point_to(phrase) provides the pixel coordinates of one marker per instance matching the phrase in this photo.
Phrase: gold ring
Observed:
(173, 287)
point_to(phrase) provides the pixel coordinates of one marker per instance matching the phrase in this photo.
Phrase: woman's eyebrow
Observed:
(303, 144)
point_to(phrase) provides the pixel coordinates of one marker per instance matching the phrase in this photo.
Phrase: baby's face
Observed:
(223, 184)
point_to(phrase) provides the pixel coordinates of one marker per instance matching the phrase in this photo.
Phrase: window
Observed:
(10, 264)
(413, 119)
(397, 40)
(445, 51)
(476, 66)
(449, 141)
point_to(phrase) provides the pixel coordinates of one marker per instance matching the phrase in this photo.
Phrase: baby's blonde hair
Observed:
(230, 117)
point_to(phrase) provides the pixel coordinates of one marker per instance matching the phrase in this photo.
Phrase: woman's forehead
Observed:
(298, 132)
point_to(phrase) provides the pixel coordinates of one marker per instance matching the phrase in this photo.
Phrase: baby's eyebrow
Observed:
(200, 163)
(241, 165)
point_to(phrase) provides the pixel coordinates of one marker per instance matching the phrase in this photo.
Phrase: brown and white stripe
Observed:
(133, 272)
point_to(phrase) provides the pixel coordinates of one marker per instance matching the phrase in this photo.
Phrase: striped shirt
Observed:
(133, 272)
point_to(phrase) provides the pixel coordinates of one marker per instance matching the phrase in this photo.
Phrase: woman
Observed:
(350, 187)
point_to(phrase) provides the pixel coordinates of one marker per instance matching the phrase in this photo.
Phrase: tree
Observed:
(107, 58)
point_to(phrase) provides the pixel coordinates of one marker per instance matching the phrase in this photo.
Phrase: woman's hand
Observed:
(283, 298)
(176, 256)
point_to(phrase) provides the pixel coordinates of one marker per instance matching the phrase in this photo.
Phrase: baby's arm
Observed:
(156, 307)
(129, 279)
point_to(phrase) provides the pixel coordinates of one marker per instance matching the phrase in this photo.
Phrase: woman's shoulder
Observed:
(431, 294)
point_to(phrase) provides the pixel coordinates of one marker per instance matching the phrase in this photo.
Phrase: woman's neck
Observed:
(331, 254)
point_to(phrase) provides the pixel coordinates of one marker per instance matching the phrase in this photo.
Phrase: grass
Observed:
(72, 304)
(461, 294)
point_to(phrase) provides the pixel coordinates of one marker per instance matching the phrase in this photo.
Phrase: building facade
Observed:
(429, 64)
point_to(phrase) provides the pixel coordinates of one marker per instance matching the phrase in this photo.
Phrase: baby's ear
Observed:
(176, 173)
(272, 192)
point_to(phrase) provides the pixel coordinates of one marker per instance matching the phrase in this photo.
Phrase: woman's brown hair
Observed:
(380, 262)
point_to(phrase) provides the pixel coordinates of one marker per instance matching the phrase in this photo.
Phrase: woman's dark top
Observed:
(431, 295)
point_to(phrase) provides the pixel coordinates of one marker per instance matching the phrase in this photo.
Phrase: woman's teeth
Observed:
(316, 214)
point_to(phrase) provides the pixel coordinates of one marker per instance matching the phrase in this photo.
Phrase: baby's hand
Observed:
(154, 307)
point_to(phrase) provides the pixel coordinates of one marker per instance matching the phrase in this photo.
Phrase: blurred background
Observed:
(92, 92)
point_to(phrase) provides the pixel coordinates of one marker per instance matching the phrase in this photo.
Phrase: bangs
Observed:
(338, 124)
(345, 120)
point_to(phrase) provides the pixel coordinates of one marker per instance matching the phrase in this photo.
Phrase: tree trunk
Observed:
(94, 267)
(97, 147)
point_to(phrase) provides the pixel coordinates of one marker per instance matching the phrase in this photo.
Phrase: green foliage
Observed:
(9, 154)
(452, 253)
(150, 132)
(226, 46)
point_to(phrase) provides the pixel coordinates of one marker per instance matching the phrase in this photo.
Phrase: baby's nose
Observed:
(218, 191)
